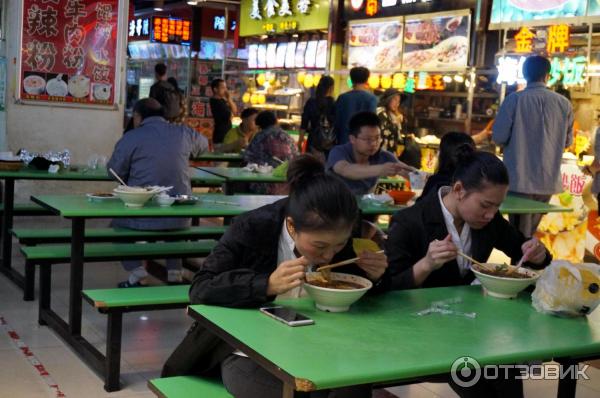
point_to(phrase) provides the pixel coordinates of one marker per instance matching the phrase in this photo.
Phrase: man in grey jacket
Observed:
(534, 126)
(155, 152)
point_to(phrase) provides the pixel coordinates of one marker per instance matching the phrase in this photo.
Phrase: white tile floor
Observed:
(148, 339)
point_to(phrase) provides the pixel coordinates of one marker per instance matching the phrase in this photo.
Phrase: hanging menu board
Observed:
(375, 44)
(69, 51)
(436, 42)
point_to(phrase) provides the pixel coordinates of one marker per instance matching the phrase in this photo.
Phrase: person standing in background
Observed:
(359, 99)
(318, 120)
(222, 108)
(167, 95)
(534, 126)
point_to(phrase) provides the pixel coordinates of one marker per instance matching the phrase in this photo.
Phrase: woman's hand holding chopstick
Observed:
(373, 263)
(288, 275)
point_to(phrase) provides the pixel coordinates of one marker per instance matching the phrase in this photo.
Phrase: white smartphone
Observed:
(287, 316)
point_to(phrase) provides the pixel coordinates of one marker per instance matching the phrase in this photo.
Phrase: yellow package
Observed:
(364, 245)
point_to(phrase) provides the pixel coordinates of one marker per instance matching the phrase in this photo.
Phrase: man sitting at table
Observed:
(155, 152)
(240, 136)
(361, 161)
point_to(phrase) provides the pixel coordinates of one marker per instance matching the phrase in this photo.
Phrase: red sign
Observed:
(69, 51)
(171, 30)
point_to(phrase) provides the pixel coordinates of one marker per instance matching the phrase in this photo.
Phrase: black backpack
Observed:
(170, 98)
(324, 133)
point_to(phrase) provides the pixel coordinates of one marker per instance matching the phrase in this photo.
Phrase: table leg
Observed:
(228, 187)
(76, 283)
(567, 386)
(288, 390)
(7, 222)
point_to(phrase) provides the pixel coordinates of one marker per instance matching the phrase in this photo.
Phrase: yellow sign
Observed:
(558, 39)
(524, 40)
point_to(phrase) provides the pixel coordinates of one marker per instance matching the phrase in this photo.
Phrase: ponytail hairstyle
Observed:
(451, 145)
(477, 169)
(318, 201)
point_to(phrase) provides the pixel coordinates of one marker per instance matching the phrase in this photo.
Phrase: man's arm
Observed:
(360, 172)
(120, 161)
(502, 129)
(199, 142)
(570, 122)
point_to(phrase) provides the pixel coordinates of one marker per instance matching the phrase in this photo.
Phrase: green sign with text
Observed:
(280, 16)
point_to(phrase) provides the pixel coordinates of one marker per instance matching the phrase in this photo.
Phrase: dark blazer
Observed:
(412, 229)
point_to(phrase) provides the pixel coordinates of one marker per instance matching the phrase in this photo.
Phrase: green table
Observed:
(219, 157)
(516, 205)
(234, 175)
(381, 340)
(74, 173)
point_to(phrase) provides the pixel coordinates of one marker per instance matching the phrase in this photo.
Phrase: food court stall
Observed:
(427, 56)
(564, 32)
(153, 39)
(287, 44)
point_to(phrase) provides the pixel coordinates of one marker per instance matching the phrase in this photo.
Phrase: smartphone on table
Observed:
(287, 316)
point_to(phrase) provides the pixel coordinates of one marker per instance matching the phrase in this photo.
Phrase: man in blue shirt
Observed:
(358, 99)
(361, 162)
(534, 126)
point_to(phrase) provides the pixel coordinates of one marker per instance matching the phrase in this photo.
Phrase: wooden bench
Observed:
(116, 302)
(35, 236)
(47, 255)
(188, 387)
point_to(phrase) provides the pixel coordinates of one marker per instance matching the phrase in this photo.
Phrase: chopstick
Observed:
(345, 262)
(116, 175)
(471, 259)
(218, 202)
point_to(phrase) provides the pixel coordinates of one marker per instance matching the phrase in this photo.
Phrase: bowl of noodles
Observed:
(503, 280)
(335, 292)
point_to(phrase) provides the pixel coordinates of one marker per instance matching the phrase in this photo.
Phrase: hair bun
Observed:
(303, 168)
(464, 153)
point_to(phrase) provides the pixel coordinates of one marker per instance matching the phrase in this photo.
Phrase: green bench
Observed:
(46, 255)
(116, 302)
(188, 387)
(35, 236)
(27, 209)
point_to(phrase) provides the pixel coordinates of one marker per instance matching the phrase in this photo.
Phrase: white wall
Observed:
(48, 128)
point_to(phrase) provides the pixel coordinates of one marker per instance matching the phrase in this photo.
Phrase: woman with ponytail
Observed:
(424, 240)
(264, 255)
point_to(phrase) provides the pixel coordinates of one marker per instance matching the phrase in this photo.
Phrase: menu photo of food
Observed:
(290, 55)
(321, 62)
(376, 45)
(253, 56)
(438, 43)
(62, 87)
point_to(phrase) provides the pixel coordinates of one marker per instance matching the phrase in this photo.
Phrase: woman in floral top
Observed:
(269, 143)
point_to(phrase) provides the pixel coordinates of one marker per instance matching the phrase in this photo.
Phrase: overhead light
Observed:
(459, 78)
(447, 79)
(159, 5)
(192, 3)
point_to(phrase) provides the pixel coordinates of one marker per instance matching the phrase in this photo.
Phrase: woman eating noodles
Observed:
(265, 254)
(424, 240)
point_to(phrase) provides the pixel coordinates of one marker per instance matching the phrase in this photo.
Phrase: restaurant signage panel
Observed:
(69, 51)
(169, 30)
(279, 16)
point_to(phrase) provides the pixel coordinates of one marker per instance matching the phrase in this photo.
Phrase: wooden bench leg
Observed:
(29, 288)
(45, 287)
(113, 351)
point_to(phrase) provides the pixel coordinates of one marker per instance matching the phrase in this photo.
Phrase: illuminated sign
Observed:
(139, 28)
(356, 4)
(171, 30)
(371, 8)
(524, 40)
(572, 70)
(558, 39)
(219, 23)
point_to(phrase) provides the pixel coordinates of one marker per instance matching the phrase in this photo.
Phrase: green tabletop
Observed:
(74, 206)
(219, 157)
(516, 205)
(82, 173)
(381, 339)
(370, 207)
(238, 174)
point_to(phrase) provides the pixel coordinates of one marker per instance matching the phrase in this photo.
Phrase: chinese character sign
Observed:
(558, 39)
(69, 50)
(260, 16)
(524, 40)
(570, 69)
(171, 30)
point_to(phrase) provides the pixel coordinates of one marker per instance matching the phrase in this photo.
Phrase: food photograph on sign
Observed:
(526, 10)
(376, 45)
(436, 43)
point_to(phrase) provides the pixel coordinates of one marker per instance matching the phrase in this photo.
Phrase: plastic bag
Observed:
(567, 289)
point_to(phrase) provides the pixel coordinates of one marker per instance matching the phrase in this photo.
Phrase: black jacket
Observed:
(412, 229)
(237, 271)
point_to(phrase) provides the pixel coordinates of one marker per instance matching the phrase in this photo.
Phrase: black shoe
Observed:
(127, 284)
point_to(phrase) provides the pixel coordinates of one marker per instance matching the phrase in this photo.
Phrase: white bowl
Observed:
(134, 199)
(505, 287)
(336, 300)
(164, 200)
